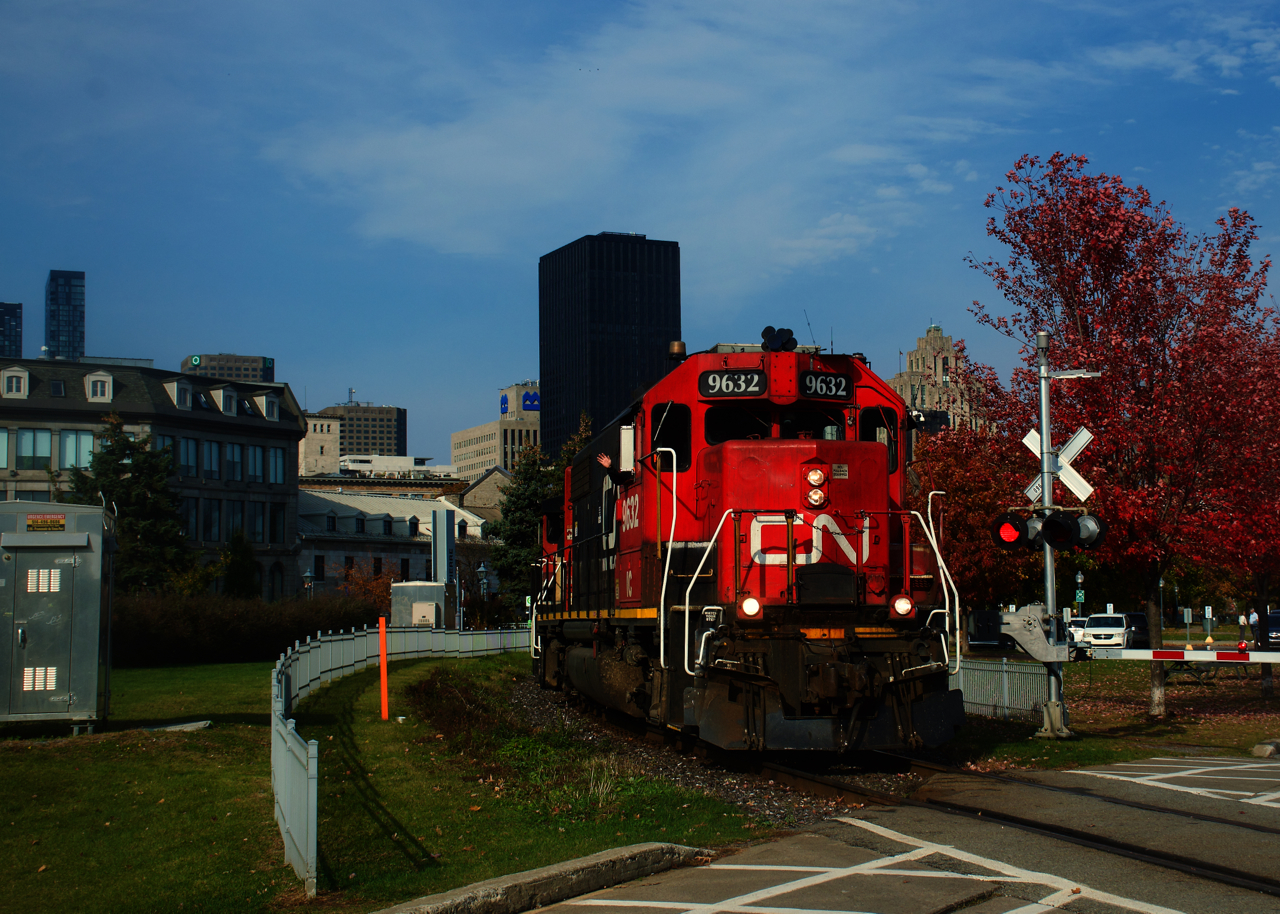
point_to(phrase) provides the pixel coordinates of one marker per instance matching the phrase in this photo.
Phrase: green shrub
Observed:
(167, 629)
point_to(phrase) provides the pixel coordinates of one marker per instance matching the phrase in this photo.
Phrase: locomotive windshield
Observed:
(749, 421)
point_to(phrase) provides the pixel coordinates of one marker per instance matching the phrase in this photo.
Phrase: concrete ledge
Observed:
(550, 884)
(1268, 748)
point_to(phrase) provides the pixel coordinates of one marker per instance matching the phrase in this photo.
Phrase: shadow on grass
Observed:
(333, 711)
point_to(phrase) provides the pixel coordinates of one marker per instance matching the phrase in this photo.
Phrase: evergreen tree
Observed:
(520, 530)
(240, 580)
(133, 481)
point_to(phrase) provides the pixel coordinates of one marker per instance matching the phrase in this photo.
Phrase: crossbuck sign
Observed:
(1060, 464)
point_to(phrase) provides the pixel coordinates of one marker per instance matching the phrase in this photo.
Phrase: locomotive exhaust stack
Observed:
(742, 561)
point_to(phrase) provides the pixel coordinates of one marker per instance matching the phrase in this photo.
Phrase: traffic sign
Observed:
(1060, 464)
(1079, 596)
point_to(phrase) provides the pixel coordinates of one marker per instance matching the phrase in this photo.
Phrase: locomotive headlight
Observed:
(902, 605)
(816, 497)
(751, 606)
(816, 477)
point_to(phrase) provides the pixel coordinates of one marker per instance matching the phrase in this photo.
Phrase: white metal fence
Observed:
(294, 763)
(998, 688)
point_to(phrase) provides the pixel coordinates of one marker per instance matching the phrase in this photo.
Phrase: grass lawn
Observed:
(131, 820)
(1108, 700)
(464, 791)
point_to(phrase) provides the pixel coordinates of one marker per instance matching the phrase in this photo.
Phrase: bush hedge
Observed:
(167, 630)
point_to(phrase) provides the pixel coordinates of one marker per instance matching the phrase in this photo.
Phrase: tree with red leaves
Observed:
(1180, 461)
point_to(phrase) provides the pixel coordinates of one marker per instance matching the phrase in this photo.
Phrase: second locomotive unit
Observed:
(734, 558)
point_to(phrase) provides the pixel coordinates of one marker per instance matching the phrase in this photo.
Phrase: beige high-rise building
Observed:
(926, 382)
(318, 451)
(474, 451)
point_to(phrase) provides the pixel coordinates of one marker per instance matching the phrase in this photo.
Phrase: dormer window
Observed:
(14, 383)
(98, 387)
(229, 403)
(269, 404)
(57, 388)
(359, 525)
(184, 397)
(179, 391)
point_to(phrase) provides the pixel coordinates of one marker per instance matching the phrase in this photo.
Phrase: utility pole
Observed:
(1055, 712)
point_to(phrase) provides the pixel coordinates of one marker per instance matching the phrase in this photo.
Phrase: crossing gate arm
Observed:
(1115, 653)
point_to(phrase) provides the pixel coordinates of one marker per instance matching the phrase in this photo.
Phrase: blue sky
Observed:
(363, 191)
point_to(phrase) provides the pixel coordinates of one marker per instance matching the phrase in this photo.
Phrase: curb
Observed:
(550, 884)
(1268, 748)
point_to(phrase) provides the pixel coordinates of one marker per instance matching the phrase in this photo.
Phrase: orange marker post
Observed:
(382, 656)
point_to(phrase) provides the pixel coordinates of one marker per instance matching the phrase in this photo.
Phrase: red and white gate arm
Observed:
(1232, 656)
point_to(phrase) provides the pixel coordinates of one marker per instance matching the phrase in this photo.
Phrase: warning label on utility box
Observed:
(46, 523)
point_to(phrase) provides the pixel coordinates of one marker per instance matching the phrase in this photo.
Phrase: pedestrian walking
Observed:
(1253, 624)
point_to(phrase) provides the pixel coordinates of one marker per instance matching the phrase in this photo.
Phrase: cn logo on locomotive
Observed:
(777, 555)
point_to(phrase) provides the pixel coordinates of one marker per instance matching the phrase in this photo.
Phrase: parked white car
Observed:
(1113, 630)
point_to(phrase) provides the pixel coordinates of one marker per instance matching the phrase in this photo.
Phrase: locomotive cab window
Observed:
(876, 423)
(822, 424)
(672, 425)
(737, 422)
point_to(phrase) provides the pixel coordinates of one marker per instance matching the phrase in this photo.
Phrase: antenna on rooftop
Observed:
(810, 326)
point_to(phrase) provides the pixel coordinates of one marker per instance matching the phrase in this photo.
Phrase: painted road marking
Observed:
(1061, 892)
(1221, 774)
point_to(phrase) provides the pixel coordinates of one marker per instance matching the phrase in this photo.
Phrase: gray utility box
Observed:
(55, 596)
(419, 603)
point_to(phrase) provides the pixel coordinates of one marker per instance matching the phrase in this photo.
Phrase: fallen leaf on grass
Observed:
(43, 868)
(161, 800)
(475, 808)
(468, 847)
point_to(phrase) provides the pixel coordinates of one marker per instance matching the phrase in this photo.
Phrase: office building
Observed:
(230, 367)
(926, 382)
(369, 429)
(64, 315)
(234, 448)
(474, 451)
(318, 451)
(10, 330)
(608, 306)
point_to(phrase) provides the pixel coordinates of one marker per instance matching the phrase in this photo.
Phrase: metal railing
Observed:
(998, 688)
(295, 767)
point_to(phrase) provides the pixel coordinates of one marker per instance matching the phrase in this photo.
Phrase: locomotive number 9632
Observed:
(729, 383)
(825, 386)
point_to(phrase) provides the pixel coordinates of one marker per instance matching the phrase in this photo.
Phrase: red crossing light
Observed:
(1009, 531)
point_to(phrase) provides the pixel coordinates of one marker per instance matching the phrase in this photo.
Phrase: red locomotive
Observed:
(741, 564)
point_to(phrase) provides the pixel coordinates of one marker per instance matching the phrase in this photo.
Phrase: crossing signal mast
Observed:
(1051, 529)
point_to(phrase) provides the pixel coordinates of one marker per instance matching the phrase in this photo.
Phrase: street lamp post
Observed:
(307, 578)
(1079, 593)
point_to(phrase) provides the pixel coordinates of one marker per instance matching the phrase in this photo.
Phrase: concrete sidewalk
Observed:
(551, 884)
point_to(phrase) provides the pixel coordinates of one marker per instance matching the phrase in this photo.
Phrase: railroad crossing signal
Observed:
(1061, 464)
(1061, 530)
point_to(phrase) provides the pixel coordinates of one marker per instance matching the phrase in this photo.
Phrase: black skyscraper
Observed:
(10, 330)
(608, 305)
(64, 315)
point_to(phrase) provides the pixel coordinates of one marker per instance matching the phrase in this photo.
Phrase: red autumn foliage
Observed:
(1181, 464)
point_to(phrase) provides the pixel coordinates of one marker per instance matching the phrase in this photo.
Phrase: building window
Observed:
(187, 456)
(97, 390)
(235, 462)
(76, 450)
(184, 397)
(256, 522)
(13, 384)
(317, 568)
(31, 496)
(188, 514)
(322, 450)
(228, 403)
(413, 526)
(386, 528)
(377, 566)
(212, 510)
(275, 465)
(404, 569)
(277, 523)
(34, 448)
(330, 524)
(235, 518)
(359, 525)
(57, 389)
(212, 460)
(254, 469)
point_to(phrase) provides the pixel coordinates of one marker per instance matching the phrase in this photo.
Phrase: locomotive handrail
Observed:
(535, 643)
(693, 580)
(942, 565)
(946, 593)
(666, 571)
